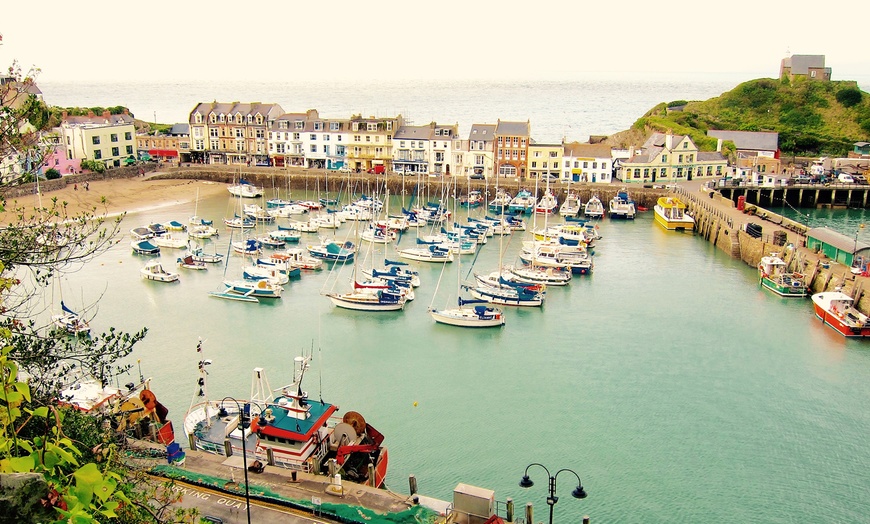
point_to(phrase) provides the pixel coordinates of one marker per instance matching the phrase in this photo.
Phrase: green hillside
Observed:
(812, 118)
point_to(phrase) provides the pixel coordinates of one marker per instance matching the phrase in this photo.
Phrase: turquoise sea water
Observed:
(668, 380)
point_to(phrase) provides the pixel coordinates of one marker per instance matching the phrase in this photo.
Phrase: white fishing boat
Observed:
(154, 270)
(141, 233)
(202, 231)
(571, 206)
(144, 247)
(255, 289)
(287, 211)
(546, 204)
(593, 208)
(245, 189)
(188, 262)
(428, 253)
(170, 241)
(622, 206)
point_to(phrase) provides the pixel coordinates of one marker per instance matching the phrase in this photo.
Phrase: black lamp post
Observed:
(552, 499)
(244, 454)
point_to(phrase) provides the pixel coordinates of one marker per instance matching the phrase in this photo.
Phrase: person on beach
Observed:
(75, 187)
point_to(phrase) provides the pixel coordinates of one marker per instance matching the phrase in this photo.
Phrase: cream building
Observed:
(107, 138)
(671, 159)
(371, 143)
(545, 161)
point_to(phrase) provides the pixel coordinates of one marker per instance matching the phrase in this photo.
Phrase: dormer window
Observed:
(222, 119)
(299, 124)
(334, 126)
(197, 118)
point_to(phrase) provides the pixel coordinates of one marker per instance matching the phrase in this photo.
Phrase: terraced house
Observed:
(545, 161)
(512, 148)
(587, 162)
(107, 138)
(671, 159)
(479, 158)
(231, 133)
(307, 140)
(371, 145)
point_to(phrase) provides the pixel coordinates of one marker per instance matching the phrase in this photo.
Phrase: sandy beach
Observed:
(113, 197)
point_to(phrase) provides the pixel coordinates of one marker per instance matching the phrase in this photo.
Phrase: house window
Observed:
(356, 138)
(326, 150)
(516, 141)
(214, 145)
(688, 158)
(567, 163)
(128, 136)
(368, 138)
(552, 154)
(501, 153)
(371, 126)
(534, 164)
(280, 147)
(685, 145)
(585, 165)
(296, 136)
(240, 133)
(636, 173)
(261, 133)
(212, 118)
(500, 142)
(646, 172)
(298, 124)
(197, 118)
(679, 172)
(129, 150)
(312, 137)
(594, 165)
(576, 163)
(318, 126)
(199, 144)
(680, 159)
(664, 158)
(718, 170)
(313, 148)
(603, 165)
(98, 154)
(116, 151)
(95, 140)
(663, 172)
(709, 170)
(478, 160)
(325, 137)
(333, 126)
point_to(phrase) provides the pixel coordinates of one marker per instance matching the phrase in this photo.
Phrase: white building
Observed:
(413, 150)
(587, 163)
(480, 158)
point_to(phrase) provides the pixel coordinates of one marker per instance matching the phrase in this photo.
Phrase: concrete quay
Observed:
(316, 495)
(718, 220)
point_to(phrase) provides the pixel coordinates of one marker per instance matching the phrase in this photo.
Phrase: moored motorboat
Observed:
(333, 251)
(144, 247)
(670, 213)
(188, 262)
(524, 202)
(593, 208)
(154, 270)
(245, 189)
(837, 309)
(774, 275)
(622, 206)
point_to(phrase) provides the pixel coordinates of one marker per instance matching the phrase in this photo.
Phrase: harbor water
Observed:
(676, 387)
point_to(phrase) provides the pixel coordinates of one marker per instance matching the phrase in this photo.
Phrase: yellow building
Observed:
(671, 159)
(545, 161)
(107, 138)
(371, 143)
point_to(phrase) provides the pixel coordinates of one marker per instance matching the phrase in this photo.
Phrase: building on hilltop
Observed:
(231, 133)
(512, 148)
(667, 158)
(809, 67)
(108, 138)
(587, 162)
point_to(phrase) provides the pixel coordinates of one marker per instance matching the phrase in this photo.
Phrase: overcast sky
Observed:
(264, 40)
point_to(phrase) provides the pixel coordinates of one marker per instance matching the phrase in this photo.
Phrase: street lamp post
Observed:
(244, 454)
(552, 499)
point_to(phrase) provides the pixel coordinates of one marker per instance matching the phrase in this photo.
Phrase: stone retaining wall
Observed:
(47, 186)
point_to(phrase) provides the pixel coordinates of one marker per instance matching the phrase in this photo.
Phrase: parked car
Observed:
(345, 169)
(477, 176)
(845, 178)
(860, 179)
(802, 180)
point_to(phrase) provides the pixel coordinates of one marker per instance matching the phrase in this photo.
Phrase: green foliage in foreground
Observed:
(812, 118)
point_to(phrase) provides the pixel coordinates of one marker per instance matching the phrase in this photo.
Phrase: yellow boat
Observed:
(670, 213)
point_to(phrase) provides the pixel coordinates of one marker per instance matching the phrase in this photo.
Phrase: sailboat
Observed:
(473, 313)
(70, 322)
(376, 295)
(195, 219)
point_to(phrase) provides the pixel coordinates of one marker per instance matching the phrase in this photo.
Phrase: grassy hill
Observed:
(812, 118)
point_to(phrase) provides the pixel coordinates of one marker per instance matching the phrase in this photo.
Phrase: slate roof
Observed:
(485, 132)
(99, 120)
(179, 129)
(749, 140)
(512, 128)
(801, 64)
(426, 132)
(836, 239)
(658, 140)
(576, 149)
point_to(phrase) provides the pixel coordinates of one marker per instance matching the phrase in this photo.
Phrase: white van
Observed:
(845, 178)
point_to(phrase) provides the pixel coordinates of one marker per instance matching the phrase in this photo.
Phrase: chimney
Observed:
(126, 111)
(669, 141)
(630, 151)
(106, 113)
(63, 115)
(719, 145)
(91, 114)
